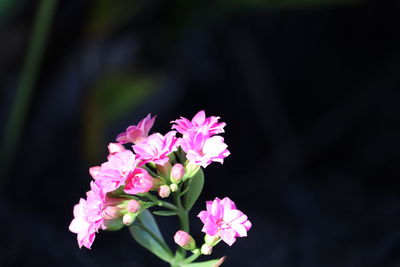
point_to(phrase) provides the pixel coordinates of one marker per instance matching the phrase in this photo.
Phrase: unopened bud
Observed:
(133, 206)
(211, 240)
(164, 191)
(177, 173)
(128, 218)
(110, 213)
(206, 249)
(173, 187)
(184, 240)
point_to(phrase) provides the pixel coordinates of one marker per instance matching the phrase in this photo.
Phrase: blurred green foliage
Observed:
(105, 15)
(7, 7)
(110, 98)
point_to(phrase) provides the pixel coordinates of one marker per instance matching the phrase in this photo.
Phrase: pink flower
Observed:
(138, 181)
(223, 219)
(156, 148)
(87, 217)
(207, 126)
(115, 171)
(115, 148)
(81, 226)
(202, 149)
(137, 133)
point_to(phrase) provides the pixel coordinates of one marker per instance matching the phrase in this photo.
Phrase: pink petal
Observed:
(199, 118)
(228, 236)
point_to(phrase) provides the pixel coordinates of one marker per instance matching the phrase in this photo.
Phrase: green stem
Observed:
(19, 108)
(184, 223)
(168, 205)
(191, 258)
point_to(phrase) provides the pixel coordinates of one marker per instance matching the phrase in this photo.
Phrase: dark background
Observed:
(309, 91)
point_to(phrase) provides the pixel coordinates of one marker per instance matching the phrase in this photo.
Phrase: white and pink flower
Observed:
(115, 171)
(88, 217)
(223, 219)
(156, 148)
(202, 149)
(200, 123)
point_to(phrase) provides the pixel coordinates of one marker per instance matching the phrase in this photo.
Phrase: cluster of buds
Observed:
(134, 180)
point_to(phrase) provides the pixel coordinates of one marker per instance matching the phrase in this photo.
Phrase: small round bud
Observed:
(206, 249)
(133, 206)
(128, 219)
(164, 191)
(177, 173)
(184, 240)
(173, 187)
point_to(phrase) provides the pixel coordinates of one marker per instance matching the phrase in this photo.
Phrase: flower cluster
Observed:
(155, 166)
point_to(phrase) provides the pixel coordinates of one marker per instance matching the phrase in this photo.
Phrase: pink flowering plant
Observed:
(163, 173)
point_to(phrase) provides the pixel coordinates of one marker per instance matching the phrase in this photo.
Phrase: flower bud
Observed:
(206, 249)
(164, 191)
(184, 240)
(110, 213)
(128, 218)
(173, 187)
(211, 240)
(177, 173)
(133, 206)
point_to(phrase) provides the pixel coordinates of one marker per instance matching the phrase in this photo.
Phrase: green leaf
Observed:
(196, 186)
(165, 213)
(211, 263)
(145, 231)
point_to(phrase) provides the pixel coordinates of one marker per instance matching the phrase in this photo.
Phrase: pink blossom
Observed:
(81, 226)
(139, 181)
(137, 133)
(202, 149)
(156, 148)
(115, 148)
(87, 217)
(207, 126)
(223, 219)
(115, 171)
(94, 171)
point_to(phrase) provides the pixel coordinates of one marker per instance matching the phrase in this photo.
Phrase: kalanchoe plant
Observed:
(160, 167)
